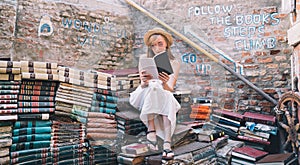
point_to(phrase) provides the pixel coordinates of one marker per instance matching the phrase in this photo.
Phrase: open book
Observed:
(159, 63)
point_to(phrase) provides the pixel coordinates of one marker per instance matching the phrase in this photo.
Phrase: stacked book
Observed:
(37, 91)
(100, 128)
(184, 99)
(258, 129)
(102, 154)
(246, 155)
(229, 121)
(132, 154)
(68, 141)
(5, 141)
(10, 77)
(75, 89)
(224, 153)
(129, 124)
(201, 109)
(31, 142)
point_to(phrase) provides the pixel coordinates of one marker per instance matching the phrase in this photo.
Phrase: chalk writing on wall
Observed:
(93, 33)
(200, 67)
(248, 28)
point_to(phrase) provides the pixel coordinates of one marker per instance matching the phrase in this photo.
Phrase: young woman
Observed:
(159, 107)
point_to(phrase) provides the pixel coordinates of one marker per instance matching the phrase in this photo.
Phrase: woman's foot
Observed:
(168, 154)
(151, 141)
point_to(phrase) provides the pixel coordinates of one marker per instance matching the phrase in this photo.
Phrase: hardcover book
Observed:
(277, 159)
(248, 153)
(159, 63)
(259, 118)
(135, 148)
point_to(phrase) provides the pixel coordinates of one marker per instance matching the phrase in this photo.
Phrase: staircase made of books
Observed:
(58, 115)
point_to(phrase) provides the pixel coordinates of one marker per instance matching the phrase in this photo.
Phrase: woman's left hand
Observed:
(164, 77)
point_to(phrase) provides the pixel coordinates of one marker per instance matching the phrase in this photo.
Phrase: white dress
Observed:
(155, 100)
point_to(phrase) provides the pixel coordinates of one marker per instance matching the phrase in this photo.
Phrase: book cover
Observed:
(163, 64)
(259, 118)
(276, 159)
(229, 114)
(135, 148)
(249, 153)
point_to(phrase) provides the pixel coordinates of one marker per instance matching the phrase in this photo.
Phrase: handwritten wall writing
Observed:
(248, 28)
(91, 33)
(200, 67)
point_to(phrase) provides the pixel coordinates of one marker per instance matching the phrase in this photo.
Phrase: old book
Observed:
(30, 145)
(9, 87)
(103, 110)
(36, 92)
(34, 123)
(32, 137)
(40, 76)
(130, 160)
(35, 104)
(229, 114)
(135, 148)
(277, 159)
(36, 110)
(32, 130)
(97, 103)
(10, 77)
(10, 64)
(202, 100)
(248, 153)
(225, 120)
(259, 118)
(8, 117)
(253, 140)
(38, 64)
(35, 98)
(10, 70)
(41, 83)
(106, 92)
(39, 70)
(208, 135)
(8, 96)
(38, 87)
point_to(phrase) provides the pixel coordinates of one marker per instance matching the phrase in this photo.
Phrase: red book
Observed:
(248, 153)
(229, 114)
(259, 118)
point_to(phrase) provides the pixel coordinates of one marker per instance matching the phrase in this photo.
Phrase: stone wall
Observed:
(89, 34)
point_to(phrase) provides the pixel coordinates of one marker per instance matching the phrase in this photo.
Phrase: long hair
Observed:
(150, 53)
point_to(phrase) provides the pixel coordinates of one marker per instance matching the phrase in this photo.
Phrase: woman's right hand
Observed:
(145, 77)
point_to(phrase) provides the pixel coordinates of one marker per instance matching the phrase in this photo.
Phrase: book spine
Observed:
(10, 64)
(78, 118)
(37, 93)
(36, 123)
(40, 83)
(35, 98)
(103, 110)
(97, 103)
(33, 130)
(10, 70)
(29, 158)
(8, 111)
(105, 92)
(267, 122)
(80, 112)
(8, 97)
(39, 70)
(36, 104)
(10, 77)
(40, 76)
(37, 64)
(9, 87)
(105, 98)
(33, 137)
(8, 101)
(9, 92)
(29, 145)
(36, 110)
(21, 153)
(8, 106)
(38, 87)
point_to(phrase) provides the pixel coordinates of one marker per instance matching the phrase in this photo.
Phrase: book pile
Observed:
(31, 142)
(184, 99)
(229, 121)
(258, 130)
(102, 154)
(100, 128)
(183, 134)
(129, 124)
(121, 79)
(5, 141)
(224, 153)
(246, 155)
(35, 70)
(201, 109)
(279, 159)
(68, 141)
(192, 153)
(75, 90)
(132, 154)
(10, 77)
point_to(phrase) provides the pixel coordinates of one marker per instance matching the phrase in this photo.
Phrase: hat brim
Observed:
(160, 31)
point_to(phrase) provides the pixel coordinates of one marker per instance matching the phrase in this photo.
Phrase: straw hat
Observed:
(160, 31)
